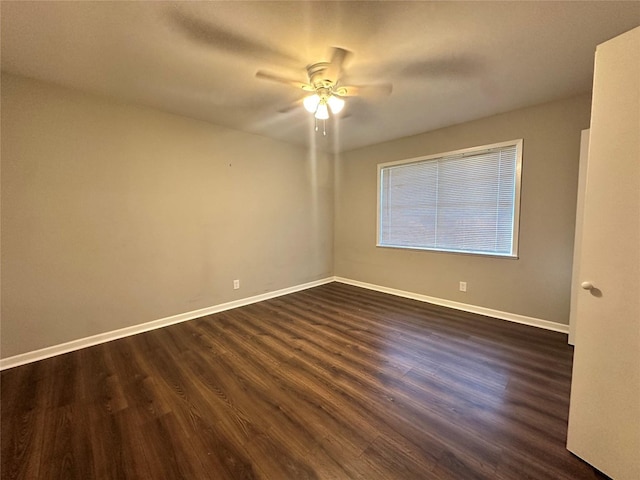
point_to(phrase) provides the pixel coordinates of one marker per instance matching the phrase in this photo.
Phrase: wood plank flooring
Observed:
(335, 382)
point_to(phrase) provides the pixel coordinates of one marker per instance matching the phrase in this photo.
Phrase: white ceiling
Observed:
(449, 62)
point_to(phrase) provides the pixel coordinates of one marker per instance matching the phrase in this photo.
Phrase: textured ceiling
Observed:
(448, 62)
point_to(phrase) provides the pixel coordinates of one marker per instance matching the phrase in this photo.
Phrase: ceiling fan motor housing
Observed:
(317, 78)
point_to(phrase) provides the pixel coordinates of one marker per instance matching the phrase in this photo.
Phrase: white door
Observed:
(604, 414)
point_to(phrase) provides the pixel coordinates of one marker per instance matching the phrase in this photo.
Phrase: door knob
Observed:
(587, 285)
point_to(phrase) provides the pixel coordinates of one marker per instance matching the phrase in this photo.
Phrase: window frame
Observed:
(465, 152)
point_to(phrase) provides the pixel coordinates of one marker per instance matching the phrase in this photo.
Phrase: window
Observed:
(466, 201)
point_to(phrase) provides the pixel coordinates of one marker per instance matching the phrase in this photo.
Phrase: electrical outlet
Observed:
(463, 286)
(236, 284)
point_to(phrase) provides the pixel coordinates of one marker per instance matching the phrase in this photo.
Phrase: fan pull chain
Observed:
(324, 127)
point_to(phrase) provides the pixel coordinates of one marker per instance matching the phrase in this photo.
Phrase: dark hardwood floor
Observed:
(335, 382)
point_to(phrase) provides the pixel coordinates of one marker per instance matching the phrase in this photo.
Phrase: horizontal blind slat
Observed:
(461, 203)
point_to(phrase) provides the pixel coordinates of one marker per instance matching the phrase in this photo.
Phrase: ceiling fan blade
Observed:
(377, 90)
(225, 39)
(338, 59)
(290, 107)
(277, 78)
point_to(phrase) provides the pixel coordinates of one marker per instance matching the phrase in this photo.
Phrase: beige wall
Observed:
(535, 285)
(114, 215)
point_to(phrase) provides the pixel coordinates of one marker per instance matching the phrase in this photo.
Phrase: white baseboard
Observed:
(54, 350)
(512, 317)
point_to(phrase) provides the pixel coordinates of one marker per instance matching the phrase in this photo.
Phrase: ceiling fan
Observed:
(324, 87)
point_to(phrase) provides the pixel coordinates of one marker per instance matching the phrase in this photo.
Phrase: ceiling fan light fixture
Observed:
(335, 104)
(322, 113)
(311, 103)
(325, 94)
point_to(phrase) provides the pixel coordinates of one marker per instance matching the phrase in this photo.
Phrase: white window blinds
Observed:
(464, 201)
